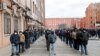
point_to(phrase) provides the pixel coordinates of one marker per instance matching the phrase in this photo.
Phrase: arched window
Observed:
(7, 23)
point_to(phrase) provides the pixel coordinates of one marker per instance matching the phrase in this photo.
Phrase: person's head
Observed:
(20, 32)
(52, 32)
(15, 32)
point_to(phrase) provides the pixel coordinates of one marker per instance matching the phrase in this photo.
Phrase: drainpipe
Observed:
(1, 26)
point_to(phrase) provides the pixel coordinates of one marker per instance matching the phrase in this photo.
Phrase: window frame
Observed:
(15, 18)
(7, 32)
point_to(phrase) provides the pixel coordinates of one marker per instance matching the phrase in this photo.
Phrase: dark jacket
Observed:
(14, 39)
(26, 34)
(62, 33)
(47, 32)
(86, 38)
(52, 38)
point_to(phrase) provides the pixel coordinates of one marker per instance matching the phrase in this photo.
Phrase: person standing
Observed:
(84, 42)
(52, 40)
(47, 32)
(62, 34)
(22, 42)
(74, 33)
(14, 39)
(67, 37)
(27, 40)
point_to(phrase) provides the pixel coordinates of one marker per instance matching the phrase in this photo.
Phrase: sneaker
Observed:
(12, 54)
(54, 54)
(86, 54)
(17, 54)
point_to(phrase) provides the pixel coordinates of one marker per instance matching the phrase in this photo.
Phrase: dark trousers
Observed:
(47, 45)
(67, 40)
(21, 47)
(76, 45)
(27, 44)
(71, 43)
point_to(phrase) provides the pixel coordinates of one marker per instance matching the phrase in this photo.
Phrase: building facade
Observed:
(55, 23)
(92, 16)
(19, 15)
(82, 23)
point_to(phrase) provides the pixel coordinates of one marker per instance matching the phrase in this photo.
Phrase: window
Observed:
(15, 23)
(7, 23)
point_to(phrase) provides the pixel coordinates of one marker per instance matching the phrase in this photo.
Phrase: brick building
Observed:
(93, 16)
(53, 23)
(19, 15)
(83, 22)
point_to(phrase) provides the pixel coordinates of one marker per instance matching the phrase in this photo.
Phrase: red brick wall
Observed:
(92, 15)
(52, 23)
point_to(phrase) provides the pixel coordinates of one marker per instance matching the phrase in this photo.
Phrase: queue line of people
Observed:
(76, 38)
(21, 41)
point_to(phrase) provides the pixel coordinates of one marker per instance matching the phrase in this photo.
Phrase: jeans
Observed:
(71, 43)
(62, 38)
(84, 49)
(52, 50)
(31, 39)
(15, 49)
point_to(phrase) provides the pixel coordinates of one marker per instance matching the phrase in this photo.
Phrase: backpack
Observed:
(52, 38)
(86, 36)
(22, 38)
(80, 35)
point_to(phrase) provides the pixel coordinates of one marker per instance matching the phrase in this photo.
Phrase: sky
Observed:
(66, 8)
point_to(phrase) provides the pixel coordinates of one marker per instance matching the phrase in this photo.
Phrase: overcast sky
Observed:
(66, 8)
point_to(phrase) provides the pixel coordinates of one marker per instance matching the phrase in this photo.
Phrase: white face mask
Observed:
(15, 33)
(20, 33)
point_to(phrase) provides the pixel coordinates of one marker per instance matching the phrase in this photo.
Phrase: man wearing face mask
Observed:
(14, 39)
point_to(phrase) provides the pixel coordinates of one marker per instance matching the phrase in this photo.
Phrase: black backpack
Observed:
(52, 38)
(80, 35)
(85, 36)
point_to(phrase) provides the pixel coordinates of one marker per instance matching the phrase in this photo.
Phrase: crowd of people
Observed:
(76, 38)
(94, 32)
(21, 41)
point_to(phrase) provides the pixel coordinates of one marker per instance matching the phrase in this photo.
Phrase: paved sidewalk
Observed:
(39, 49)
(6, 51)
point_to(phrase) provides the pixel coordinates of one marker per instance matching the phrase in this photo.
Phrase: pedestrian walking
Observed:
(52, 40)
(14, 39)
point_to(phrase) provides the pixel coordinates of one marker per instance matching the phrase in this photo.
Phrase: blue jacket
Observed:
(14, 39)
